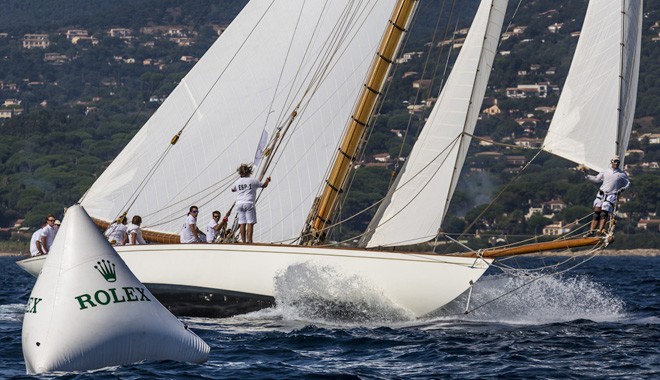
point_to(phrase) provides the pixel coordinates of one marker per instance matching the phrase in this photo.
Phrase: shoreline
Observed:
(644, 252)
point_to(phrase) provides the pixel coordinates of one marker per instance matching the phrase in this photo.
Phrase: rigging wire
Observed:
(375, 115)
(134, 196)
(337, 45)
(428, 94)
(321, 64)
(324, 63)
(279, 78)
(589, 255)
(439, 155)
(488, 206)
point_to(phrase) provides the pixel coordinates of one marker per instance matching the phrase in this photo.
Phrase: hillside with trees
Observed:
(74, 106)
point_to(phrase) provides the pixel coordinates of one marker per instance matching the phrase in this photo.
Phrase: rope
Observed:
(419, 89)
(591, 254)
(500, 193)
(134, 196)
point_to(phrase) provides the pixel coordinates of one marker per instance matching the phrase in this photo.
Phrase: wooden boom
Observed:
(537, 247)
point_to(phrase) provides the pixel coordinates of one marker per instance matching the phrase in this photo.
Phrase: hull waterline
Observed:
(220, 280)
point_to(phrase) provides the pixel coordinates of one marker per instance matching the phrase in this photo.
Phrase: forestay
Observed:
(416, 205)
(250, 80)
(594, 115)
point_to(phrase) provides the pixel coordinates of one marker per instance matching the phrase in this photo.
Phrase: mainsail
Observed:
(276, 57)
(416, 205)
(594, 116)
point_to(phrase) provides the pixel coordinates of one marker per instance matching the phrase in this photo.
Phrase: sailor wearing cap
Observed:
(612, 181)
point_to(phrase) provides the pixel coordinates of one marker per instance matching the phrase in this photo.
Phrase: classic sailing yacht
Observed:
(296, 73)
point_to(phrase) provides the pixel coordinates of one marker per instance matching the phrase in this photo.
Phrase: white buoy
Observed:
(87, 310)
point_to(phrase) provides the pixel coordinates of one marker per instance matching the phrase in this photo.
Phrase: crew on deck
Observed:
(35, 242)
(189, 231)
(134, 231)
(48, 234)
(613, 181)
(116, 232)
(245, 201)
(215, 226)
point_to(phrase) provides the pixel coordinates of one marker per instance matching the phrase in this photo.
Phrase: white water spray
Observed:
(320, 293)
(549, 299)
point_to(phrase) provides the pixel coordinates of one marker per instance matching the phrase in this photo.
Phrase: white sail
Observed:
(594, 116)
(425, 185)
(249, 81)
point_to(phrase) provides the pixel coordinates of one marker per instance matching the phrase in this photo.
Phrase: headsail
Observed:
(418, 202)
(249, 81)
(594, 116)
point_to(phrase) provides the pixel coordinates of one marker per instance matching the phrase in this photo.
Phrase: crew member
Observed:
(612, 182)
(245, 199)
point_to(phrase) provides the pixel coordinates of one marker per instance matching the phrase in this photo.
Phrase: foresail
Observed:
(594, 115)
(275, 56)
(417, 203)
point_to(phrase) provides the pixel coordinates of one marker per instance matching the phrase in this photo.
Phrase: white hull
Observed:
(419, 283)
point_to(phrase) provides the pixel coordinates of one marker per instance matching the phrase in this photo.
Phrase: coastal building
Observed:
(554, 205)
(72, 33)
(492, 108)
(36, 41)
(522, 91)
(408, 56)
(516, 160)
(8, 113)
(120, 32)
(654, 138)
(421, 83)
(528, 142)
(554, 28)
(382, 157)
(558, 228)
(649, 224)
(55, 58)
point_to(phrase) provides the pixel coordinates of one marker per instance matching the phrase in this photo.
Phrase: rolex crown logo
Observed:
(107, 270)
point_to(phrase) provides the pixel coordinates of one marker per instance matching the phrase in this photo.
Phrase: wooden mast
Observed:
(323, 209)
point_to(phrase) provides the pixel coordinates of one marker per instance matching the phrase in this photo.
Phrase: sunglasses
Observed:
(51, 220)
(194, 211)
(216, 216)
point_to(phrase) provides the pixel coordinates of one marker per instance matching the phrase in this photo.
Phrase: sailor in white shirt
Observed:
(245, 199)
(35, 242)
(214, 227)
(48, 234)
(134, 231)
(116, 233)
(612, 181)
(189, 231)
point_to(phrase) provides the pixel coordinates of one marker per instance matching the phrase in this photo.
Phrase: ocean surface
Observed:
(600, 319)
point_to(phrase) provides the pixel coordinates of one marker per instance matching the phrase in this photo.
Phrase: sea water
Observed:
(597, 320)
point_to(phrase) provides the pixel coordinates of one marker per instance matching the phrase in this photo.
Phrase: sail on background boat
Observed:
(431, 172)
(594, 116)
(253, 76)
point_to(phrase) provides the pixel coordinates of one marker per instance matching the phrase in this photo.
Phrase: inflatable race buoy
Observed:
(87, 310)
